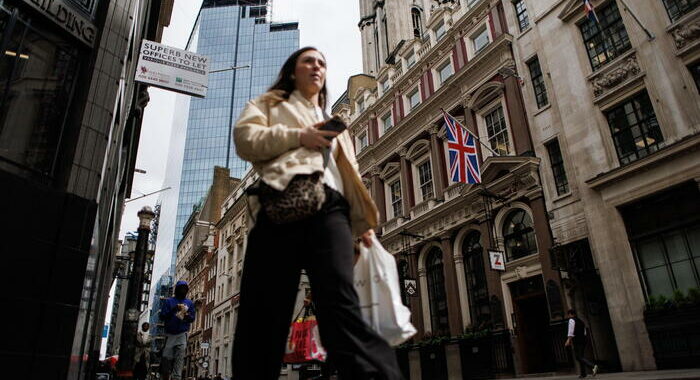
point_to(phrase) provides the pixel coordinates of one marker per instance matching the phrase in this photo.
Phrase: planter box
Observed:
(675, 336)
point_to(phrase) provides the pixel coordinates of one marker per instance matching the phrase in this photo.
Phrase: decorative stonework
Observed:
(684, 34)
(611, 79)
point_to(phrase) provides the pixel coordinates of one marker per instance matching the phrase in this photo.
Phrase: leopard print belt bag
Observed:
(301, 199)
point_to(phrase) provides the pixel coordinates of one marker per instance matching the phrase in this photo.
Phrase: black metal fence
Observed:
(675, 337)
(486, 357)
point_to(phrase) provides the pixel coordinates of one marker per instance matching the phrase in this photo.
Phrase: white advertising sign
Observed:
(497, 262)
(172, 69)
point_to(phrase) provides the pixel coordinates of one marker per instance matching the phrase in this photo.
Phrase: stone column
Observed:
(407, 196)
(451, 289)
(437, 159)
(377, 188)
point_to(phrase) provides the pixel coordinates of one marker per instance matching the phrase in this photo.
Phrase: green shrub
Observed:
(694, 296)
(678, 297)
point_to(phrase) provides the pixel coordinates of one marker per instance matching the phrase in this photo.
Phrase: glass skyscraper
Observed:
(232, 33)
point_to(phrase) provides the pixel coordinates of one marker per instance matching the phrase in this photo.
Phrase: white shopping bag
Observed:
(377, 285)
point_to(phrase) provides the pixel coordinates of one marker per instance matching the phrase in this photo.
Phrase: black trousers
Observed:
(275, 256)
(579, 352)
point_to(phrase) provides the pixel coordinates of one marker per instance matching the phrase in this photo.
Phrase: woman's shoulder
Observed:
(272, 97)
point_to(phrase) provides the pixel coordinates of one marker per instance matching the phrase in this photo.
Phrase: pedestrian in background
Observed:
(577, 337)
(282, 134)
(178, 313)
(143, 352)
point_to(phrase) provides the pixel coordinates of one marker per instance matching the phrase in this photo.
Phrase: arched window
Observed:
(403, 275)
(417, 22)
(473, 256)
(436, 292)
(519, 235)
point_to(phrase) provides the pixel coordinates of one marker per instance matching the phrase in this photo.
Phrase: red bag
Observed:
(304, 343)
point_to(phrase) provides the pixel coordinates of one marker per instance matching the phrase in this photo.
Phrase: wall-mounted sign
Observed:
(411, 287)
(497, 260)
(68, 18)
(172, 69)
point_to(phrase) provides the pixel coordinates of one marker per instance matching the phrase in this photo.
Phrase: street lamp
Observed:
(230, 112)
(125, 365)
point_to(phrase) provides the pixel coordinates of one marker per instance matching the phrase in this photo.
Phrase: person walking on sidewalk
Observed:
(281, 134)
(577, 337)
(178, 313)
(143, 352)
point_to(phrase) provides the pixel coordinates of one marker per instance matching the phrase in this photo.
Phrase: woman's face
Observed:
(310, 72)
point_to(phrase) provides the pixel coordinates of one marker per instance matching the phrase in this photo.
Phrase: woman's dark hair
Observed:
(285, 83)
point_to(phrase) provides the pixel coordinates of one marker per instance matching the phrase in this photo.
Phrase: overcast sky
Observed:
(329, 25)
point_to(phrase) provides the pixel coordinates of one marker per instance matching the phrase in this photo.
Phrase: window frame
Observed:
(359, 139)
(440, 31)
(598, 37)
(410, 59)
(644, 125)
(523, 234)
(438, 71)
(437, 295)
(409, 94)
(521, 15)
(681, 10)
(382, 121)
(475, 274)
(417, 185)
(539, 86)
(483, 127)
(481, 30)
(557, 167)
(389, 201)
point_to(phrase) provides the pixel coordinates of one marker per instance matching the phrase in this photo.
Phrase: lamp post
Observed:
(127, 347)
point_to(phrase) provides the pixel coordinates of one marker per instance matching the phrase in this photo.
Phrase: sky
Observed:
(329, 25)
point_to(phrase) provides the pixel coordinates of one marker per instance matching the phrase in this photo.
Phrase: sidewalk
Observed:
(684, 374)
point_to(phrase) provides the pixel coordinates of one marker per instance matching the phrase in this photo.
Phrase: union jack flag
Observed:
(461, 145)
(590, 11)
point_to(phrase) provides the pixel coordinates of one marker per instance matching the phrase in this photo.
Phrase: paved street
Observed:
(645, 375)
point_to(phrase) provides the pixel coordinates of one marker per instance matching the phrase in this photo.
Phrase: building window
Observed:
(538, 82)
(669, 261)
(497, 131)
(695, 72)
(362, 141)
(395, 196)
(521, 12)
(445, 71)
(39, 71)
(436, 292)
(440, 31)
(360, 105)
(605, 40)
(519, 235)
(385, 41)
(425, 180)
(410, 60)
(480, 39)
(475, 275)
(677, 8)
(417, 22)
(413, 99)
(384, 85)
(634, 128)
(557, 164)
(387, 122)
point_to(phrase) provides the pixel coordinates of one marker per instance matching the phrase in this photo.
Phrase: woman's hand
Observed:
(367, 238)
(313, 138)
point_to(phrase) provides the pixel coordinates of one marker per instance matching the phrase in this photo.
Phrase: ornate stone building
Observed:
(614, 113)
(419, 58)
(196, 264)
(592, 198)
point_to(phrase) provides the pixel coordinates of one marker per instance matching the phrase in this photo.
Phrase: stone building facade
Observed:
(420, 58)
(592, 197)
(195, 264)
(614, 113)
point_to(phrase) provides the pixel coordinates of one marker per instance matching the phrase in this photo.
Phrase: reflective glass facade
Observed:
(231, 35)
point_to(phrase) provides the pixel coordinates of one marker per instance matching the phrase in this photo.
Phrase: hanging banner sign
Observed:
(173, 69)
(411, 287)
(497, 260)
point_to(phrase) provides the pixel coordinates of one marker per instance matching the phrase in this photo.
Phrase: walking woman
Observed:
(279, 134)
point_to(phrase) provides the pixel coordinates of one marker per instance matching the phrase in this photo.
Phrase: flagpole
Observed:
(473, 135)
(650, 36)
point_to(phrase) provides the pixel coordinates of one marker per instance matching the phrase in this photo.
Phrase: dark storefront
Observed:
(68, 138)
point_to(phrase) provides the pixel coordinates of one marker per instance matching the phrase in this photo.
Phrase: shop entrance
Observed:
(531, 317)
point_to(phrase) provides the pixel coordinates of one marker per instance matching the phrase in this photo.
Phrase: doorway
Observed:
(531, 318)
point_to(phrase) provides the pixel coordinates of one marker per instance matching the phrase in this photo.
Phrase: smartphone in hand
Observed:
(335, 124)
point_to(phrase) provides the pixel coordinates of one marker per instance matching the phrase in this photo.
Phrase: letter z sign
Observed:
(497, 262)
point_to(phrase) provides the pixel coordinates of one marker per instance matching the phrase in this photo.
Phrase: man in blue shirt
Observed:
(177, 313)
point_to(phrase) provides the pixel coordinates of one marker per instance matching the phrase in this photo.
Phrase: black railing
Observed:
(486, 357)
(675, 336)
